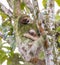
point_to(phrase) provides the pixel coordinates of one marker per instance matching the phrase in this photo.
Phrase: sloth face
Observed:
(24, 20)
(25, 25)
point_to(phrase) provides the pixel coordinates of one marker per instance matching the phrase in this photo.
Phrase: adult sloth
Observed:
(31, 44)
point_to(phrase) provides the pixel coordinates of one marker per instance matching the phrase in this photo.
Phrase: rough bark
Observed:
(29, 5)
(11, 3)
(49, 50)
(6, 11)
(17, 11)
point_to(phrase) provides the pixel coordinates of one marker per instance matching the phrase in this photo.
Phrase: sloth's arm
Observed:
(30, 36)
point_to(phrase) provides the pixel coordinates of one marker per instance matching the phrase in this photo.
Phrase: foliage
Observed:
(57, 17)
(22, 5)
(4, 16)
(58, 29)
(44, 2)
(58, 2)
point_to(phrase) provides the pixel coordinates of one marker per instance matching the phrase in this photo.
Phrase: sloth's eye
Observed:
(25, 21)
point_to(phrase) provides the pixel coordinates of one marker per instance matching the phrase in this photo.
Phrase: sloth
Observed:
(27, 27)
(29, 35)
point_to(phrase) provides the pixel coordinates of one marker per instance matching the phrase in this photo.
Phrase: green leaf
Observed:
(7, 23)
(59, 39)
(41, 55)
(44, 2)
(22, 5)
(4, 16)
(10, 30)
(3, 56)
(1, 43)
(58, 2)
(58, 29)
(14, 59)
(57, 17)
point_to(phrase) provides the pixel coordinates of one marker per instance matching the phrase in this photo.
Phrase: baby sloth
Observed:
(31, 34)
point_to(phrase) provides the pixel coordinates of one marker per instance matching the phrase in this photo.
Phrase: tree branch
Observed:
(9, 12)
(11, 3)
(29, 5)
(17, 11)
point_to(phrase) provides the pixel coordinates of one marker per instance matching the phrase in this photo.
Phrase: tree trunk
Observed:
(49, 51)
